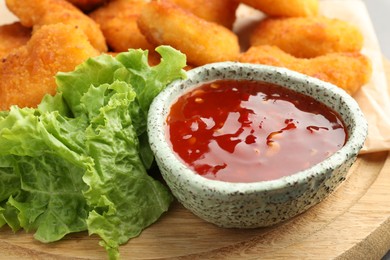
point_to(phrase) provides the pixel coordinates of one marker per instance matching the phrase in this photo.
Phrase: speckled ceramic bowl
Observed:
(257, 204)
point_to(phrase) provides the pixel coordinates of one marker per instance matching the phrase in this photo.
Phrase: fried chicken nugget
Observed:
(13, 36)
(289, 8)
(219, 11)
(118, 22)
(308, 37)
(40, 12)
(203, 42)
(347, 70)
(27, 73)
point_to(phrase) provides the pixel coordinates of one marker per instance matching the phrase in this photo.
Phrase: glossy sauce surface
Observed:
(242, 131)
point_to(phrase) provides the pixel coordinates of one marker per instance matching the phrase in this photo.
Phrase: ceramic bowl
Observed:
(257, 204)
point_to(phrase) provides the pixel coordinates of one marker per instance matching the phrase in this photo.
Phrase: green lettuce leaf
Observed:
(79, 161)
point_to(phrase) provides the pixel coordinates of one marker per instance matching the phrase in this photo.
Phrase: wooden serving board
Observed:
(352, 223)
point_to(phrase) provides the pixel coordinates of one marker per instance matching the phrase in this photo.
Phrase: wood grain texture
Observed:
(352, 223)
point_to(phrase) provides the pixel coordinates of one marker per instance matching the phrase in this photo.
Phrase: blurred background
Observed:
(380, 17)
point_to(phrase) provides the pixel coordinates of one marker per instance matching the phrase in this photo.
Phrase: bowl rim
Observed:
(160, 146)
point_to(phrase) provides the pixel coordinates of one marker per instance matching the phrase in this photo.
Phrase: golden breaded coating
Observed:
(27, 73)
(118, 22)
(87, 5)
(203, 42)
(13, 36)
(219, 11)
(35, 13)
(289, 8)
(347, 70)
(308, 37)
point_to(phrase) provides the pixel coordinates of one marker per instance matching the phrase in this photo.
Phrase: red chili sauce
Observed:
(242, 131)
